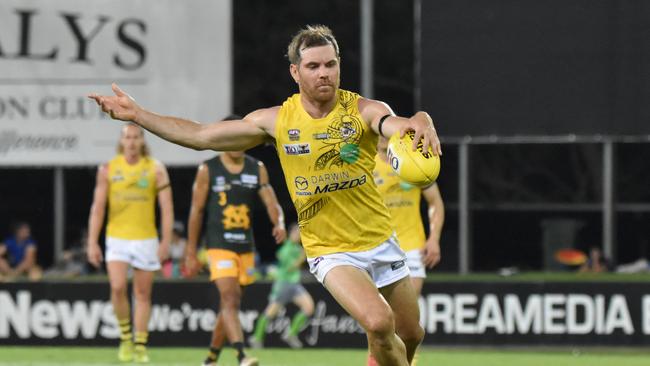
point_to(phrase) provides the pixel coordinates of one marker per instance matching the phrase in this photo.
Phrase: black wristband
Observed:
(163, 187)
(381, 122)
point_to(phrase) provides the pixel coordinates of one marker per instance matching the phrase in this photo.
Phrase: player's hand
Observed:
(192, 265)
(431, 253)
(163, 251)
(120, 106)
(422, 124)
(94, 254)
(279, 233)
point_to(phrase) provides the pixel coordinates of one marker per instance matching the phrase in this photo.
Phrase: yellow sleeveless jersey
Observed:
(328, 164)
(403, 202)
(131, 199)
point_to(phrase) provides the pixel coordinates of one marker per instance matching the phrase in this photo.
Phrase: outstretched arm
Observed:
(253, 130)
(436, 212)
(421, 123)
(273, 208)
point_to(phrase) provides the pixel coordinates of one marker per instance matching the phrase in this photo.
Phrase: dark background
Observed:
(537, 67)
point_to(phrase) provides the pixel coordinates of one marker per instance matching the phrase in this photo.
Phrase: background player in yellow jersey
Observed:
(327, 141)
(130, 183)
(228, 186)
(403, 202)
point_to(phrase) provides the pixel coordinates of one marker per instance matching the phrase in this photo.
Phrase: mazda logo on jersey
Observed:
(297, 149)
(301, 183)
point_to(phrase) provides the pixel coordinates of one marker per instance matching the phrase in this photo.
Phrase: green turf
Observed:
(77, 356)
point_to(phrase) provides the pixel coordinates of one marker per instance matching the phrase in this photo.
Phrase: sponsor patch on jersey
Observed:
(294, 134)
(341, 185)
(225, 264)
(321, 136)
(249, 179)
(143, 183)
(219, 184)
(234, 236)
(301, 183)
(297, 149)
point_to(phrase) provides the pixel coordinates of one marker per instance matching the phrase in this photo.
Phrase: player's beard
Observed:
(323, 95)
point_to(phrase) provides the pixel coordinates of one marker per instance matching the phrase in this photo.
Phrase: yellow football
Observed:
(415, 167)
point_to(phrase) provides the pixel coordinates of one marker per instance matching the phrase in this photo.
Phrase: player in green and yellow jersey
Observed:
(326, 139)
(286, 288)
(130, 184)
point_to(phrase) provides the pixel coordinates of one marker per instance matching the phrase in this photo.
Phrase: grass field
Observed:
(78, 356)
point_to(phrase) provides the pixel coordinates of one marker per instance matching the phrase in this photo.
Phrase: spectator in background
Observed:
(596, 262)
(73, 261)
(172, 266)
(18, 254)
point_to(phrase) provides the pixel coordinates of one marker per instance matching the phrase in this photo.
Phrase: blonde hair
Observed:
(310, 36)
(144, 151)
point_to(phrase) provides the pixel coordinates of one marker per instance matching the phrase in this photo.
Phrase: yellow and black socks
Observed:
(125, 330)
(213, 355)
(141, 340)
(239, 347)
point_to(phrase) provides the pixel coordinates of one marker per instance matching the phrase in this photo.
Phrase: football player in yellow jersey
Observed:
(326, 139)
(129, 185)
(403, 202)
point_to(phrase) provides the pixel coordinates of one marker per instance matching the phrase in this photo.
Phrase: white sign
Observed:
(173, 56)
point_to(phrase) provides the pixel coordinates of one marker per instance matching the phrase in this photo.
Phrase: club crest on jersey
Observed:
(347, 130)
(294, 134)
(297, 149)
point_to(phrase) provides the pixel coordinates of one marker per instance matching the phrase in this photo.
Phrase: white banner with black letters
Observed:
(173, 56)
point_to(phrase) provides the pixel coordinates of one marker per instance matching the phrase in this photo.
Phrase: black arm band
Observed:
(163, 187)
(381, 123)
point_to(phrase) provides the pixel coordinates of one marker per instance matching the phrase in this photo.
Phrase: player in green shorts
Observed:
(286, 288)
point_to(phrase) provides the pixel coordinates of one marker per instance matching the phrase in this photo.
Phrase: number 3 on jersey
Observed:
(222, 198)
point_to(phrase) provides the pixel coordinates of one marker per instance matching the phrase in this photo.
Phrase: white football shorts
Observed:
(140, 254)
(386, 263)
(415, 264)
